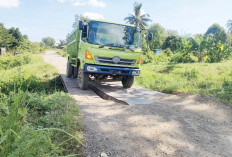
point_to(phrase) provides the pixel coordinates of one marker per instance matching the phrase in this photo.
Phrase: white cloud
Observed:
(94, 3)
(93, 15)
(9, 3)
(61, 1)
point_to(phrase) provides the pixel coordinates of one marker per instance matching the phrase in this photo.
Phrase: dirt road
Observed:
(169, 126)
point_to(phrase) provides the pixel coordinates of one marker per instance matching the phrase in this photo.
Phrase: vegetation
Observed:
(212, 47)
(159, 36)
(48, 42)
(61, 49)
(138, 19)
(6, 39)
(217, 33)
(37, 118)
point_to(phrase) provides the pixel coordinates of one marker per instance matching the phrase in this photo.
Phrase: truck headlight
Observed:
(91, 69)
(135, 73)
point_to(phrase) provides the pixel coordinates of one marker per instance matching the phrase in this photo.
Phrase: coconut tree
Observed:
(138, 18)
(229, 25)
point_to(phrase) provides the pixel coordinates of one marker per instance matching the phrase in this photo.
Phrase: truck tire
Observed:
(83, 79)
(75, 72)
(69, 70)
(127, 81)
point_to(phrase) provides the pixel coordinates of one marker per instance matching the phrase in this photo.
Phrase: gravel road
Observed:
(170, 126)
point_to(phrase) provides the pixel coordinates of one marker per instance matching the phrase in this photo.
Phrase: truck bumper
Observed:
(111, 70)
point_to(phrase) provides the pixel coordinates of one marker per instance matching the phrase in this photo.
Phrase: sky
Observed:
(54, 18)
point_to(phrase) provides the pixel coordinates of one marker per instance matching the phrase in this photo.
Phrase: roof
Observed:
(113, 22)
(124, 24)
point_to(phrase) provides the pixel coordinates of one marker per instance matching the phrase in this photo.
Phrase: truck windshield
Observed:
(108, 34)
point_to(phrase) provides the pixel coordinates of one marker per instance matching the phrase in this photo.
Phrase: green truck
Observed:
(103, 50)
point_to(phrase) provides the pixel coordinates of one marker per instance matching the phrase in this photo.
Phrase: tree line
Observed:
(212, 46)
(14, 41)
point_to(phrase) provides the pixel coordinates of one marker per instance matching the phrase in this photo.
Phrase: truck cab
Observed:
(104, 51)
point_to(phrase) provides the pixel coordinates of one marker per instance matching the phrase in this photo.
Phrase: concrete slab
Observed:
(132, 96)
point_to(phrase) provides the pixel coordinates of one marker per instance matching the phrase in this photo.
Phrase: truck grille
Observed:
(117, 61)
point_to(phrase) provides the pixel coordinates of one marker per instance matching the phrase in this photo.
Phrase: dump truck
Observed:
(101, 50)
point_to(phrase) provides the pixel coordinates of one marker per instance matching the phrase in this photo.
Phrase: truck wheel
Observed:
(69, 70)
(75, 72)
(127, 81)
(83, 79)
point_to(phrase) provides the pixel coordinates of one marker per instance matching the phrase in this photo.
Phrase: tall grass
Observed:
(36, 117)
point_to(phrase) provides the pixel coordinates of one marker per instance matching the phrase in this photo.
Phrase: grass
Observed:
(210, 79)
(37, 118)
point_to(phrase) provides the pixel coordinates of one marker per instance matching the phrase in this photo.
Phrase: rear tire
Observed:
(83, 79)
(69, 70)
(127, 81)
(75, 72)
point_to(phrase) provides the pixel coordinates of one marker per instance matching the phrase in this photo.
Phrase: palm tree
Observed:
(138, 19)
(229, 25)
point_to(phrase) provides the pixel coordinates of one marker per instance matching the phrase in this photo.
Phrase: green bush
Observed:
(168, 52)
(14, 61)
(148, 58)
(183, 58)
(162, 58)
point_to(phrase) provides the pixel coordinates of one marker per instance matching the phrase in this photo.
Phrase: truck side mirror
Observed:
(81, 25)
(150, 36)
(84, 32)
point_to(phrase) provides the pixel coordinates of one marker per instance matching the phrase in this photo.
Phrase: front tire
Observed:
(69, 70)
(127, 81)
(83, 79)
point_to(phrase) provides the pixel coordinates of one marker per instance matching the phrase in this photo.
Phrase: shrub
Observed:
(148, 58)
(168, 52)
(14, 61)
(183, 58)
(163, 57)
